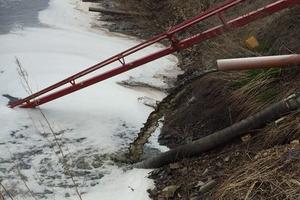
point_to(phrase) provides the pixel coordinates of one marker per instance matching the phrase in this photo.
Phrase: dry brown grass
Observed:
(273, 174)
(283, 131)
(246, 96)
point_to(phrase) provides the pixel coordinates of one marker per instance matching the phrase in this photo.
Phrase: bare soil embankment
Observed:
(264, 164)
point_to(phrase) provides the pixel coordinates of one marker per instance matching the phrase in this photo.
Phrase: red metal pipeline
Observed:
(213, 32)
(239, 22)
(72, 79)
(258, 62)
(208, 13)
(121, 56)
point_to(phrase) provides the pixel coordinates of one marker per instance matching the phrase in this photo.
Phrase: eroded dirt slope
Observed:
(265, 163)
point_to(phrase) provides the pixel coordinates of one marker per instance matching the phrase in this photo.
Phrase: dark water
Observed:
(20, 13)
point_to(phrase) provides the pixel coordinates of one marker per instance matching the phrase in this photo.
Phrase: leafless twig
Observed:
(6, 191)
(24, 75)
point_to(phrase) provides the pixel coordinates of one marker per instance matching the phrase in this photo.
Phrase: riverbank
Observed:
(67, 148)
(199, 106)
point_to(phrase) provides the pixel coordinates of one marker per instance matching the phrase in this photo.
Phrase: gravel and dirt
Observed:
(264, 164)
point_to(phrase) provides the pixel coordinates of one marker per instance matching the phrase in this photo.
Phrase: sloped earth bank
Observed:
(264, 164)
(45, 153)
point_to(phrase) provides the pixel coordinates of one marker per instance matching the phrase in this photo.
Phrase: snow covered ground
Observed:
(89, 125)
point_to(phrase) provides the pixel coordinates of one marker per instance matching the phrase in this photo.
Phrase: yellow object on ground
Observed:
(252, 43)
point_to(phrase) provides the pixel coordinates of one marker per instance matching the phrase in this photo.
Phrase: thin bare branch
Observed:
(6, 191)
(24, 75)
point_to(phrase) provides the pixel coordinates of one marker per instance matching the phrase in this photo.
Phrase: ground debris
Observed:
(169, 191)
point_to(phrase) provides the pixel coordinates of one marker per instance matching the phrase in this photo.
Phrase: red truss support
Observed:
(71, 85)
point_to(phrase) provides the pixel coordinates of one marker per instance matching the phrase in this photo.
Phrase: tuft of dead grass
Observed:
(273, 174)
(255, 89)
(283, 131)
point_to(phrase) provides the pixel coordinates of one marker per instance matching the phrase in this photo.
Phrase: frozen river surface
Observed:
(52, 43)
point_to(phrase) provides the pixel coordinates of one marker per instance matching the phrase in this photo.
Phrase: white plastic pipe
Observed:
(258, 62)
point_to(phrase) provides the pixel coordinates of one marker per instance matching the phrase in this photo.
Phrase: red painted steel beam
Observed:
(122, 55)
(258, 62)
(88, 70)
(206, 14)
(213, 32)
(99, 78)
(238, 22)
